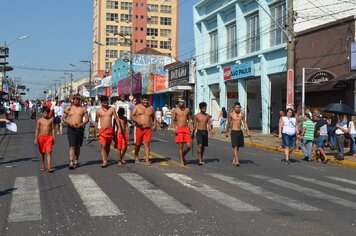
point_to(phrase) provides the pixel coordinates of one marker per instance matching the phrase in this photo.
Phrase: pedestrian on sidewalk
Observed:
(288, 132)
(237, 119)
(341, 130)
(76, 117)
(321, 136)
(281, 114)
(104, 118)
(352, 132)
(44, 138)
(181, 123)
(121, 138)
(332, 121)
(307, 137)
(222, 117)
(203, 128)
(58, 113)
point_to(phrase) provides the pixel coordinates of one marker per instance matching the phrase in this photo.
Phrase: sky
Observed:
(60, 33)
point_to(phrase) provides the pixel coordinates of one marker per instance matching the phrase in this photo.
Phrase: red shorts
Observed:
(121, 140)
(183, 135)
(143, 135)
(45, 143)
(106, 135)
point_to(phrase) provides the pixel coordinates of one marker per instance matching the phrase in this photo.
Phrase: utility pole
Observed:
(71, 82)
(290, 55)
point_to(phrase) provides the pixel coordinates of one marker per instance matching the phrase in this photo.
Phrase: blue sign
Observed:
(242, 71)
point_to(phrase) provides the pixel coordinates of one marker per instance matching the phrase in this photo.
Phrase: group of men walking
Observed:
(114, 127)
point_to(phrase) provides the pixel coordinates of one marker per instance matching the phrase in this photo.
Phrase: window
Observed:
(112, 4)
(141, 41)
(231, 41)
(214, 52)
(142, 4)
(152, 20)
(126, 5)
(111, 29)
(166, 9)
(152, 7)
(112, 17)
(253, 33)
(165, 33)
(126, 30)
(152, 32)
(126, 18)
(165, 45)
(136, 28)
(152, 43)
(108, 66)
(141, 29)
(279, 14)
(166, 21)
(124, 42)
(111, 41)
(142, 17)
(111, 53)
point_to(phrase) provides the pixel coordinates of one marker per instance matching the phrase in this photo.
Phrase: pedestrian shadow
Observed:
(206, 160)
(7, 191)
(246, 162)
(292, 160)
(17, 160)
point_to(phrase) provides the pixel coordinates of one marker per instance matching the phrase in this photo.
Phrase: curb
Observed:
(298, 153)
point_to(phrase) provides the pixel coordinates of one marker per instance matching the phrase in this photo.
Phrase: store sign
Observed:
(143, 60)
(123, 86)
(242, 71)
(160, 82)
(321, 76)
(353, 56)
(227, 73)
(192, 71)
(179, 75)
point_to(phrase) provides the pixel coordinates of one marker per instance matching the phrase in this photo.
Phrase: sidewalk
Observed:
(270, 142)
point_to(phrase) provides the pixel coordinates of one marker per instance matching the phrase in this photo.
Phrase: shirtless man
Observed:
(144, 116)
(180, 124)
(237, 118)
(76, 117)
(203, 126)
(106, 132)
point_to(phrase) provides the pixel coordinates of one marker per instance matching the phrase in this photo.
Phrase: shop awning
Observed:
(339, 83)
(175, 89)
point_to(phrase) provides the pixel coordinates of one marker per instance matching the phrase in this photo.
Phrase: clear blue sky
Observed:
(61, 33)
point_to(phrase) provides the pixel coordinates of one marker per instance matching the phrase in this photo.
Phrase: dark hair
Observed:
(289, 109)
(237, 103)
(307, 115)
(202, 105)
(46, 109)
(121, 111)
(145, 96)
(224, 112)
(104, 99)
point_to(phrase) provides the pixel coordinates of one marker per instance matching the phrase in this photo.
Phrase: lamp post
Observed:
(71, 82)
(122, 35)
(90, 66)
(303, 86)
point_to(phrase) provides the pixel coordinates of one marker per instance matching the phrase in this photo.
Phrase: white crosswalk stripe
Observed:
(342, 180)
(161, 199)
(307, 191)
(212, 193)
(325, 184)
(25, 205)
(267, 194)
(94, 199)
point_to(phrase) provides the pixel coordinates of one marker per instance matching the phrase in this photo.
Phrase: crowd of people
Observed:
(314, 132)
(112, 125)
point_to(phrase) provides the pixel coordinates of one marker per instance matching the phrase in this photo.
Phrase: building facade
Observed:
(241, 56)
(132, 25)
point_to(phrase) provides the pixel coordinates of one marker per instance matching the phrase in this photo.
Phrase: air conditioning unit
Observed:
(107, 34)
(149, 17)
(153, 37)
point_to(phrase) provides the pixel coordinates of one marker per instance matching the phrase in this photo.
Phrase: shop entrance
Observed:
(278, 98)
(254, 104)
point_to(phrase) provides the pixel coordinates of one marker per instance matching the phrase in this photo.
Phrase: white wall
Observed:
(312, 13)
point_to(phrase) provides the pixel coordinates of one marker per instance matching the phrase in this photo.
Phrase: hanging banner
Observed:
(123, 86)
(148, 84)
(161, 82)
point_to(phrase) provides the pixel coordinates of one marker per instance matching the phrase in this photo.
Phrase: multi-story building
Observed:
(132, 25)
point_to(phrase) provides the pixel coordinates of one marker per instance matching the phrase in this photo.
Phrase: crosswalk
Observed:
(26, 197)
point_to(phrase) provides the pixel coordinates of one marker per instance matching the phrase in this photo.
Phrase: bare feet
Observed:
(119, 163)
(123, 161)
(50, 170)
(42, 169)
(201, 163)
(148, 163)
(137, 161)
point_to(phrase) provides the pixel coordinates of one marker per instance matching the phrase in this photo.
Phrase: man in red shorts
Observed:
(122, 137)
(106, 132)
(144, 116)
(180, 123)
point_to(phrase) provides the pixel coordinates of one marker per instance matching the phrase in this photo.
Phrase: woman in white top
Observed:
(352, 132)
(159, 117)
(341, 130)
(287, 132)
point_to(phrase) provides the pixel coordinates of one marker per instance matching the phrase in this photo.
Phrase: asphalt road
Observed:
(261, 197)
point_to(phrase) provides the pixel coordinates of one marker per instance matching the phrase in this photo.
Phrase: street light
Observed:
(90, 66)
(303, 86)
(71, 82)
(122, 35)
